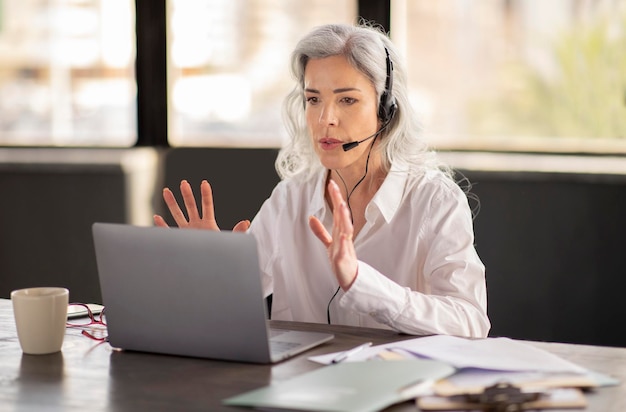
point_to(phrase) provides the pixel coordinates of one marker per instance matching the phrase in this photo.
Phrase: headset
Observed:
(386, 107)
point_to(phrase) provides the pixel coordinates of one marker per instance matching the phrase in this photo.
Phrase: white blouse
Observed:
(418, 273)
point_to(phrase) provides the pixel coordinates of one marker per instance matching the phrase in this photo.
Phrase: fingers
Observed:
(159, 221)
(208, 210)
(173, 207)
(343, 255)
(342, 221)
(193, 218)
(242, 226)
(346, 266)
(339, 244)
(320, 231)
(189, 200)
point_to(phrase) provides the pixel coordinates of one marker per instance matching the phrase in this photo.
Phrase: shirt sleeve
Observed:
(456, 302)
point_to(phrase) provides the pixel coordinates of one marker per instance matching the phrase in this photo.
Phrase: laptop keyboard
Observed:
(279, 346)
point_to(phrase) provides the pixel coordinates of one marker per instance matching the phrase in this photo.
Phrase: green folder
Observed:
(350, 387)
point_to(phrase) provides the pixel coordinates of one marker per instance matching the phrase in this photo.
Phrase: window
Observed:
(66, 73)
(521, 75)
(230, 66)
(524, 75)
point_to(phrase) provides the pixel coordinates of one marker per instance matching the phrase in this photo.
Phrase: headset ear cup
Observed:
(392, 109)
(387, 108)
(382, 110)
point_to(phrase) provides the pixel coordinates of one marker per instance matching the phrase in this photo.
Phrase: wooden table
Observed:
(88, 376)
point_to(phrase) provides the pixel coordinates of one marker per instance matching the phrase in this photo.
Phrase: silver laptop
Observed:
(189, 292)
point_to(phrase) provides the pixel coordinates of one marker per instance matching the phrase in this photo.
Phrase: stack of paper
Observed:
(482, 363)
(442, 372)
(499, 354)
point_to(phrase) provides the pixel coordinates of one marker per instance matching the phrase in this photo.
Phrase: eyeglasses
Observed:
(94, 323)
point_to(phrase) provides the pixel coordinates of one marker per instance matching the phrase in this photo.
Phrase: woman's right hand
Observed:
(206, 220)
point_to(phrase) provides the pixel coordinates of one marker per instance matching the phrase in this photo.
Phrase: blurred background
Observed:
(104, 102)
(492, 74)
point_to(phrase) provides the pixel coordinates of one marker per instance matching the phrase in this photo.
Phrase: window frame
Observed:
(151, 64)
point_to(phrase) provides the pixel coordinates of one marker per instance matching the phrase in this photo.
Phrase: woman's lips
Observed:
(328, 143)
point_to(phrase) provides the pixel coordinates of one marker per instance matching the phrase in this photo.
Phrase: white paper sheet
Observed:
(500, 354)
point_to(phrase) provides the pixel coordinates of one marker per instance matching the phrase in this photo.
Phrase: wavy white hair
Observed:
(364, 47)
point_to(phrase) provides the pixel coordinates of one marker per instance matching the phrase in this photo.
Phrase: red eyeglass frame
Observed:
(93, 320)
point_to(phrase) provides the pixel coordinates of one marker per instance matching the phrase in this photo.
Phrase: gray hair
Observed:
(364, 46)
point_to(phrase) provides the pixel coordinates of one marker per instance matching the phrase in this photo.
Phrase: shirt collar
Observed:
(387, 199)
(389, 196)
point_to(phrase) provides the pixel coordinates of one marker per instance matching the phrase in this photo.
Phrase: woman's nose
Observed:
(328, 116)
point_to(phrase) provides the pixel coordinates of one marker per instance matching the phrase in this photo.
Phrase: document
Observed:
(498, 354)
(483, 362)
(348, 386)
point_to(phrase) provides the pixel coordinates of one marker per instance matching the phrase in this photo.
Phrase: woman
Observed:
(366, 228)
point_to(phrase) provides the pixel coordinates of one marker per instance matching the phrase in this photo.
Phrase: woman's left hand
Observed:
(340, 245)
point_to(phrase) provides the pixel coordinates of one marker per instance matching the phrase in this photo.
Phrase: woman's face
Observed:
(341, 107)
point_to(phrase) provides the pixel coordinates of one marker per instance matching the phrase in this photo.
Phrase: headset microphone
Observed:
(352, 145)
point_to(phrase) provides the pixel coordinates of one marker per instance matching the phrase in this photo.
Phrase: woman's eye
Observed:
(312, 100)
(348, 100)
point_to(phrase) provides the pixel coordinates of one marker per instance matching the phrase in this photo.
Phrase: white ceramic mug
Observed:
(40, 318)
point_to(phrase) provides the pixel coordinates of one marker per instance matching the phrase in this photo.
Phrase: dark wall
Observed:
(241, 179)
(46, 212)
(553, 248)
(552, 243)
(47, 209)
